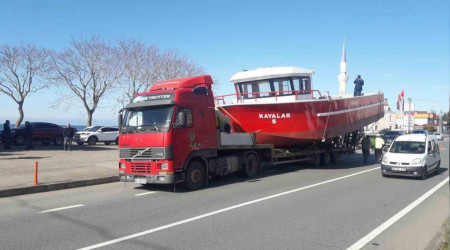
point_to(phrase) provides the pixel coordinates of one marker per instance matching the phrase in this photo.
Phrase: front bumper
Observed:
(147, 179)
(402, 171)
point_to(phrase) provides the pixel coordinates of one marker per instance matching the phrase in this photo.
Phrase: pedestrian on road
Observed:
(6, 135)
(28, 136)
(379, 143)
(366, 143)
(359, 82)
(68, 137)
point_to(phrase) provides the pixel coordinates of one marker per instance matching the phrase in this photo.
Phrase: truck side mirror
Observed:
(119, 120)
(181, 120)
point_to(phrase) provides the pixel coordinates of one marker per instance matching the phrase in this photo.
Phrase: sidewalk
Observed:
(57, 169)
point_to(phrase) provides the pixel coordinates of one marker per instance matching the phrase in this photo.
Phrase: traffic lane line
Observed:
(153, 230)
(377, 231)
(61, 208)
(145, 193)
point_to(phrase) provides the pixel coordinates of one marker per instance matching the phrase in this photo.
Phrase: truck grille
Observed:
(141, 168)
(142, 154)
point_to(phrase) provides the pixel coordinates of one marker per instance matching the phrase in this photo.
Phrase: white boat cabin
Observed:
(274, 84)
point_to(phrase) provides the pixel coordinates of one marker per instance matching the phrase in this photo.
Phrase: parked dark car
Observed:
(42, 132)
(389, 136)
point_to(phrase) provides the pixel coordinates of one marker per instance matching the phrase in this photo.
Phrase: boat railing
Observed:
(277, 96)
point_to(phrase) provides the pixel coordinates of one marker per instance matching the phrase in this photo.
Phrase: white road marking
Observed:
(366, 239)
(151, 192)
(106, 243)
(61, 208)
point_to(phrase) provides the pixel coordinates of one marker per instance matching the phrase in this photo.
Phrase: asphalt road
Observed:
(286, 207)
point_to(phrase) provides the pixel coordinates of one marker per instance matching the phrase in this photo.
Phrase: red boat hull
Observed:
(303, 122)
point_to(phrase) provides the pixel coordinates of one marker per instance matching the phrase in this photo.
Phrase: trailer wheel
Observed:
(315, 160)
(335, 157)
(326, 158)
(251, 166)
(195, 175)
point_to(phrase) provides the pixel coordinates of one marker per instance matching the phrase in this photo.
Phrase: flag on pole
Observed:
(401, 101)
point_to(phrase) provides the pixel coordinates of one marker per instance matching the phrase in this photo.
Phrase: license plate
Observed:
(399, 169)
(140, 180)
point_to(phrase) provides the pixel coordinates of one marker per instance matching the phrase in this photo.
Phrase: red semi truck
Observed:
(174, 134)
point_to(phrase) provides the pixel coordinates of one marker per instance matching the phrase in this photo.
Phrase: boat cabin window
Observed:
(303, 85)
(281, 86)
(255, 89)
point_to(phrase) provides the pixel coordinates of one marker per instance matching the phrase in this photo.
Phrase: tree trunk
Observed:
(89, 119)
(21, 115)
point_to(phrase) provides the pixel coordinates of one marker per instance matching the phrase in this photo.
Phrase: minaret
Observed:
(343, 77)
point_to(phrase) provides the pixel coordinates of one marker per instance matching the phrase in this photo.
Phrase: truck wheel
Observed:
(326, 158)
(251, 166)
(335, 157)
(19, 140)
(92, 141)
(59, 140)
(315, 160)
(195, 175)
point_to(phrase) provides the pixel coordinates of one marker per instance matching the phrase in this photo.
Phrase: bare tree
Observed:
(21, 71)
(90, 68)
(174, 65)
(146, 65)
(139, 68)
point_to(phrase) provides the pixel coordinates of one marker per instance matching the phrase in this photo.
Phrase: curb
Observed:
(56, 186)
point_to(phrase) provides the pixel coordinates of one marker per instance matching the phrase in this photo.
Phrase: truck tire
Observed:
(326, 158)
(315, 160)
(195, 175)
(251, 166)
(335, 157)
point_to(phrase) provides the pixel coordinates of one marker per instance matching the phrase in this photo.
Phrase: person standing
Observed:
(6, 135)
(68, 137)
(359, 82)
(379, 143)
(28, 136)
(366, 143)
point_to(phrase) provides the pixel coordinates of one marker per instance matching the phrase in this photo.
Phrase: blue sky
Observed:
(394, 45)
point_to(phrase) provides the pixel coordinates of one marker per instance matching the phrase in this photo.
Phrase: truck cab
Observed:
(176, 117)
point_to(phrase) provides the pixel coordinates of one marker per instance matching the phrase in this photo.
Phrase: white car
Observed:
(439, 137)
(92, 135)
(412, 155)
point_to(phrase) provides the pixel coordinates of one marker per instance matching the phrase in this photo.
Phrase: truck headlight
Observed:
(164, 166)
(416, 161)
(385, 160)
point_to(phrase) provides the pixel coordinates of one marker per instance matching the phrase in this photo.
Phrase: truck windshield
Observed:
(408, 147)
(147, 120)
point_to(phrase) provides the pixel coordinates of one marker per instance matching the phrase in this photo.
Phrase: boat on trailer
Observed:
(280, 105)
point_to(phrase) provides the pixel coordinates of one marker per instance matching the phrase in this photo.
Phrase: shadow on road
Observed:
(353, 161)
(39, 147)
